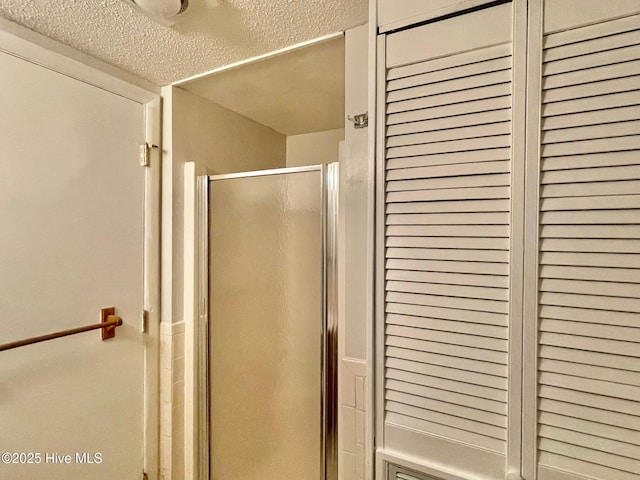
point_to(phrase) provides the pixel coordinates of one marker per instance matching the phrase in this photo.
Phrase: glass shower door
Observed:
(266, 325)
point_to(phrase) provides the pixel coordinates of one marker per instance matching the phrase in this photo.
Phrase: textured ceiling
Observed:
(299, 92)
(119, 34)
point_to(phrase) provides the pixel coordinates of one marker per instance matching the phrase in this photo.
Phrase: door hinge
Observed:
(145, 154)
(359, 121)
(144, 321)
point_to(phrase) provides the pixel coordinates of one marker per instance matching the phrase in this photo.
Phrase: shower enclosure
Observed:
(271, 323)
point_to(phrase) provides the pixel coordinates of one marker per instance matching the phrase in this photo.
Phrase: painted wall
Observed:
(354, 171)
(314, 148)
(220, 141)
(197, 130)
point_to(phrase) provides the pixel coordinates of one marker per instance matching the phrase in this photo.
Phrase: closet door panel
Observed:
(446, 211)
(588, 365)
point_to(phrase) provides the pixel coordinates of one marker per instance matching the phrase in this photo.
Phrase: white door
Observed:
(447, 242)
(583, 321)
(71, 242)
(482, 217)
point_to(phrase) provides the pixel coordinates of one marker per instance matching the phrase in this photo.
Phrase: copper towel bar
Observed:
(108, 326)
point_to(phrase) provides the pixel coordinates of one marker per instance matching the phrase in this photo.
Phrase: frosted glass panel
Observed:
(266, 327)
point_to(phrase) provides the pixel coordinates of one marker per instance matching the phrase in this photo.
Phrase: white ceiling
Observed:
(117, 33)
(298, 92)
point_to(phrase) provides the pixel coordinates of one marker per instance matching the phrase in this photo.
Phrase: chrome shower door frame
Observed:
(329, 307)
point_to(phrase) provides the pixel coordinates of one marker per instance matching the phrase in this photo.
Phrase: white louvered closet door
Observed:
(447, 235)
(589, 246)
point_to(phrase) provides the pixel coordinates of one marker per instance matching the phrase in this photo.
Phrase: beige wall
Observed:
(314, 148)
(197, 130)
(220, 141)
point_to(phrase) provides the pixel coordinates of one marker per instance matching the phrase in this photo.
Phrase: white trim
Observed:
(152, 292)
(35, 48)
(370, 320)
(341, 274)
(531, 215)
(517, 239)
(167, 273)
(261, 173)
(196, 426)
(258, 58)
(386, 457)
(461, 6)
(379, 238)
(381, 465)
(190, 317)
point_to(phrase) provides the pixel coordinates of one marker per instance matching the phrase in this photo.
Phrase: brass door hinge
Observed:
(145, 154)
(144, 321)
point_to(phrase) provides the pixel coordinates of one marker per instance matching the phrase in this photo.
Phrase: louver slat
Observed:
(461, 96)
(591, 203)
(597, 117)
(594, 45)
(580, 419)
(461, 60)
(448, 397)
(449, 74)
(465, 413)
(590, 371)
(448, 140)
(448, 313)
(580, 467)
(450, 170)
(449, 111)
(457, 121)
(579, 77)
(456, 254)
(451, 85)
(444, 360)
(443, 159)
(589, 322)
(619, 362)
(456, 133)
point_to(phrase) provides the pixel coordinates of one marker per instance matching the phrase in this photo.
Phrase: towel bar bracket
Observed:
(107, 315)
(108, 323)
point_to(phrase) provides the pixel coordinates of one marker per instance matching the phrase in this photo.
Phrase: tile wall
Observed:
(172, 401)
(351, 420)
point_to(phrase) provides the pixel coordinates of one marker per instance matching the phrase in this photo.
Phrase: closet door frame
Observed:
(380, 458)
(515, 447)
(531, 232)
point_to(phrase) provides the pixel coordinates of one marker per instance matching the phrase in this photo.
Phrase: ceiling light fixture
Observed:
(163, 8)
(168, 12)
